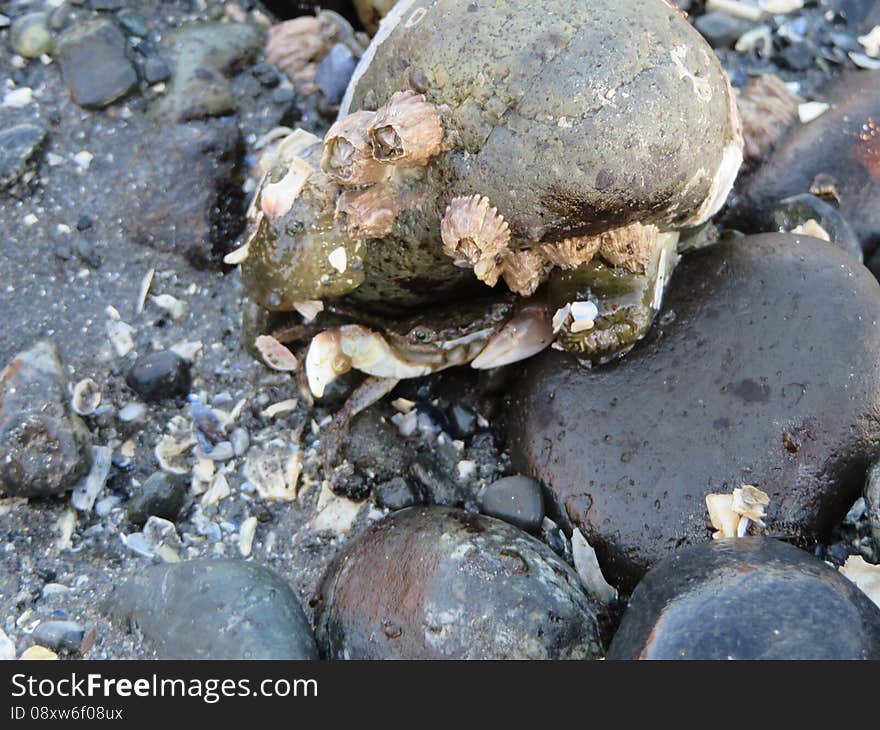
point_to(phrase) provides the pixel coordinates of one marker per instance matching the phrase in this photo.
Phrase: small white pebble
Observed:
(18, 98)
(83, 159)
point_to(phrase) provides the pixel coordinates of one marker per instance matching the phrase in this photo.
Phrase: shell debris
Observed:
(731, 514)
(86, 397)
(274, 471)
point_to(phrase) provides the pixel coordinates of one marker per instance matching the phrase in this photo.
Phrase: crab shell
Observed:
(337, 350)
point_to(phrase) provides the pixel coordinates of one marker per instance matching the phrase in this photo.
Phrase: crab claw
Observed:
(369, 352)
(325, 361)
(525, 335)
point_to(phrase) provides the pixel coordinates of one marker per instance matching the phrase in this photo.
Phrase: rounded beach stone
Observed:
(751, 598)
(439, 583)
(757, 371)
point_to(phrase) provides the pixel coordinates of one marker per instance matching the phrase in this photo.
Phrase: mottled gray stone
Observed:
(439, 583)
(216, 609)
(44, 446)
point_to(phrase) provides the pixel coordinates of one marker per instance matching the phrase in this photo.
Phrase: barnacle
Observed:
(407, 129)
(348, 154)
(766, 107)
(571, 252)
(524, 271)
(631, 247)
(297, 46)
(370, 212)
(475, 234)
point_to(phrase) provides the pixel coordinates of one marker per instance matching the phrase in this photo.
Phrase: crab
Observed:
(452, 219)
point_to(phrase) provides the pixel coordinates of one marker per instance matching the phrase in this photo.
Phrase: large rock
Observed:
(216, 609)
(751, 598)
(759, 370)
(44, 446)
(180, 190)
(839, 152)
(439, 583)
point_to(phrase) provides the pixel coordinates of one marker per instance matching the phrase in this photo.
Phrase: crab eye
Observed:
(421, 334)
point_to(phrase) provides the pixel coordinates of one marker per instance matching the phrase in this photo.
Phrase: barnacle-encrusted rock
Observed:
(578, 141)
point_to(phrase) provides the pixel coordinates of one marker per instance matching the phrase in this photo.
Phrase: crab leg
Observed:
(525, 335)
(366, 394)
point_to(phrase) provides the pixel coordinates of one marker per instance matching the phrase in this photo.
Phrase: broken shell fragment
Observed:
(721, 514)
(274, 354)
(275, 471)
(406, 130)
(474, 234)
(750, 502)
(86, 397)
(309, 309)
(730, 514)
(348, 152)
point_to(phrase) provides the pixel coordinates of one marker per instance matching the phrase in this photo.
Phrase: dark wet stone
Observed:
(375, 447)
(156, 70)
(44, 446)
(180, 190)
(397, 493)
(205, 54)
(721, 29)
(872, 502)
(29, 35)
(797, 210)
(216, 609)
(162, 495)
(752, 598)
(19, 145)
(133, 23)
(159, 375)
(94, 65)
(437, 481)
(438, 583)
(266, 74)
(798, 56)
(838, 152)
(516, 500)
(57, 635)
(747, 376)
(334, 72)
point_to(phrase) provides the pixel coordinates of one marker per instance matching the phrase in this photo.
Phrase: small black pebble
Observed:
(517, 500)
(159, 375)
